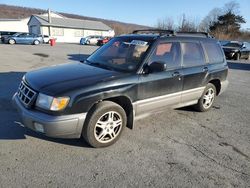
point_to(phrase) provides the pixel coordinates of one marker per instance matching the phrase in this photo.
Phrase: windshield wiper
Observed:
(87, 62)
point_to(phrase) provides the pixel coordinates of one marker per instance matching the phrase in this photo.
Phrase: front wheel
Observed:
(237, 57)
(104, 124)
(12, 41)
(207, 99)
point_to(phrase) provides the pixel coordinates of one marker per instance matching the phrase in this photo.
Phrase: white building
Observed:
(57, 26)
(15, 25)
(67, 29)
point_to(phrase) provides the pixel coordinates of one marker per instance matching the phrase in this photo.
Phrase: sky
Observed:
(144, 12)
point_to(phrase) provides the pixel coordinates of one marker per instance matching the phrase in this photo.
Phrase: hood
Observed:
(59, 79)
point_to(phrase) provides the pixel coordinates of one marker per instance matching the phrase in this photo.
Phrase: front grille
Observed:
(26, 95)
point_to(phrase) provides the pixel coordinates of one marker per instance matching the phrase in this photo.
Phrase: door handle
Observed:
(176, 74)
(205, 69)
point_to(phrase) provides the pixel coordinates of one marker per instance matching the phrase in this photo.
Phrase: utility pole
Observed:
(49, 20)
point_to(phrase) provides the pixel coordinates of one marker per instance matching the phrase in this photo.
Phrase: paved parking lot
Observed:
(174, 148)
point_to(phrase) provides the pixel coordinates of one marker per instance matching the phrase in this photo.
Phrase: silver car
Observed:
(92, 40)
(24, 38)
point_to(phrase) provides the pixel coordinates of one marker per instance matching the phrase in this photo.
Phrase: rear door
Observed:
(195, 70)
(157, 90)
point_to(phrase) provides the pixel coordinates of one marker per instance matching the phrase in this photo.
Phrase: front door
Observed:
(244, 52)
(161, 89)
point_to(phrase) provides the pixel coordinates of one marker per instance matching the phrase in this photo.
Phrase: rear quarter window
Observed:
(214, 52)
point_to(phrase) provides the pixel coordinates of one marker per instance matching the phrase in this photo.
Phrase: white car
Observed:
(92, 39)
(46, 38)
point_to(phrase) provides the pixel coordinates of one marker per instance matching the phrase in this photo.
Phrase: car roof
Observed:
(153, 37)
(140, 36)
(157, 34)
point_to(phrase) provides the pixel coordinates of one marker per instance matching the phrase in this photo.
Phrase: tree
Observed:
(211, 18)
(228, 24)
(167, 23)
(232, 6)
(187, 25)
(223, 23)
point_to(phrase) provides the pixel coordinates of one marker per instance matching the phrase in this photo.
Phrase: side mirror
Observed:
(156, 67)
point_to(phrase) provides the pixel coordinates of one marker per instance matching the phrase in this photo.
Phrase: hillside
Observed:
(13, 12)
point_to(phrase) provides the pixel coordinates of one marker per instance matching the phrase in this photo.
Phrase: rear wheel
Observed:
(104, 124)
(12, 41)
(36, 42)
(207, 99)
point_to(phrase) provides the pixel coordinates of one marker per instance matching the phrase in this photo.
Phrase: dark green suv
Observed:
(130, 76)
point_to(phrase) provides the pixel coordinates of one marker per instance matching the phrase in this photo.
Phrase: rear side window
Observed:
(167, 52)
(192, 54)
(214, 52)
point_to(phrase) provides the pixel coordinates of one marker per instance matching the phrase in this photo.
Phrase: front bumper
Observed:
(230, 55)
(66, 126)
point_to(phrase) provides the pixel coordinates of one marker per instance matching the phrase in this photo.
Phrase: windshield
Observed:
(120, 54)
(237, 45)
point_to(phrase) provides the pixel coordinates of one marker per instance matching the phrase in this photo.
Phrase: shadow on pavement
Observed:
(238, 66)
(9, 121)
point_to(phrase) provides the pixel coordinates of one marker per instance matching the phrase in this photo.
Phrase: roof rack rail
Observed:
(192, 33)
(159, 31)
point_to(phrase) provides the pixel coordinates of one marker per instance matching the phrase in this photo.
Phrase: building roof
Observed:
(9, 19)
(72, 23)
(13, 19)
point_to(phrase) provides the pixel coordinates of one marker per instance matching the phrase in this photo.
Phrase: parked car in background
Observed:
(90, 40)
(103, 41)
(5, 34)
(223, 42)
(24, 38)
(45, 38)
(236, 50)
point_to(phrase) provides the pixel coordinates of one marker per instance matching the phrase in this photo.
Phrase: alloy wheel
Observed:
(36, 42)
(208, 98)
(108, 127)
(11, 41)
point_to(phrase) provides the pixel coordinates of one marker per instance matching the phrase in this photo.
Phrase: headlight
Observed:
(51, 103)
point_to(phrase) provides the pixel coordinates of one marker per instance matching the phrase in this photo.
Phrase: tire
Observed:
(36, 42)
(248, 58)
(237, 57)
(87, 42)
(12, 41)
(206, 101)
(104, 124)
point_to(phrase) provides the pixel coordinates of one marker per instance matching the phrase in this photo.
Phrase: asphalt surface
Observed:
(173, 148)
